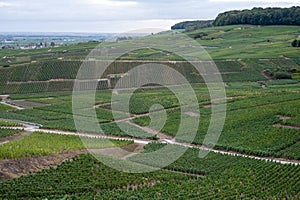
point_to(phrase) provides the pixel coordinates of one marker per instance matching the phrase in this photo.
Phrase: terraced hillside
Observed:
(43, 155)
(241, 53)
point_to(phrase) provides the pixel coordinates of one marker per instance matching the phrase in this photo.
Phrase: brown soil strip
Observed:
(103, 104)
(283, 117)
(13, 137)
(287, 126)
(265, 75)
(192, 114)
(151, 131)
(14, 168)
(208, 106)
(21, 64)
(134, 148)
(115, 152)
(234, 153)
(47, 81)
(223, 73)
(4, 97)
(162, 136)
(26, 104)
(11, 105)
(120, 152)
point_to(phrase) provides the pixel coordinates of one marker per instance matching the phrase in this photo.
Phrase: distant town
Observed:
(47, 40)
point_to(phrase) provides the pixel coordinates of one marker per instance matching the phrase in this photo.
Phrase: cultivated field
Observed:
(256, 157)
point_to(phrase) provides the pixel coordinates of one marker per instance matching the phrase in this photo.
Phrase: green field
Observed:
(251, 114)
(241, 53)
(221, 177)
(260, 72)
(7, 132)
(43, 144)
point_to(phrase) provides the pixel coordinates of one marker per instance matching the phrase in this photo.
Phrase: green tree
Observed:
(294, 43)
(260, 16)
(298, 43)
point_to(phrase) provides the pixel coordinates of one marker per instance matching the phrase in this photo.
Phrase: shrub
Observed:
(282, 75)
(296, 76)
(268, 72)
(294, 43)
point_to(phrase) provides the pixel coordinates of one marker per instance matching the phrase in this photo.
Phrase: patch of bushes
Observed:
(296, 43)
(200, 35)
(296, 76)
(282, 75)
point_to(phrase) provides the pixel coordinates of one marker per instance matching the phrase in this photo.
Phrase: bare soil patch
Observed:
(284, 118)
(4, 97)
(120, 152)
(192, 114)
(13, 137)
(208, 106)
(287, 126)
(14, 168)
(264, 59)
(265, 75)
(27, 104)
(103, 105)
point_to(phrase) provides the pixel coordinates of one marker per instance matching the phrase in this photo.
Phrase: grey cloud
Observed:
(74, 14)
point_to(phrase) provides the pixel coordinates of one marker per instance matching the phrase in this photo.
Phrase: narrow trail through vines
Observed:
(31, 128)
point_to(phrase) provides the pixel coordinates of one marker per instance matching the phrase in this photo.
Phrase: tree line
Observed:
(193, 25)
(255, 16)
(260, 16)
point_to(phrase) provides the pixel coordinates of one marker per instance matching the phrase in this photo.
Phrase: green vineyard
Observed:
(60, 140)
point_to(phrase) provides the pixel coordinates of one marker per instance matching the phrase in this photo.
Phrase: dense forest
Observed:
(260, 16)
(256, 16)
(193, 25)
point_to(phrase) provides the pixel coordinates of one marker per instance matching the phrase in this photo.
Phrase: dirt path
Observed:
(120, 152)
(166, 140)
(265, 75)
(141, 61)
(103, 104)
(143, 141)
(287, 126)
(162, 136)
(13, 137)
(232, 153)
(90, 135)
(11, 105)
(20, 64)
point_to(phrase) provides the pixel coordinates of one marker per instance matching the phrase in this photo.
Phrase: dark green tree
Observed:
(298, 43)
(260, 16)
(294, 43)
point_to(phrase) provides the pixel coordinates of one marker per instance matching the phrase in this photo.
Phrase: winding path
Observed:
(29, 127)
(11, 105)
(32, 127)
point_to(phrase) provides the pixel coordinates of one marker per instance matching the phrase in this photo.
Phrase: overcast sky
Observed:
(114, 15)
